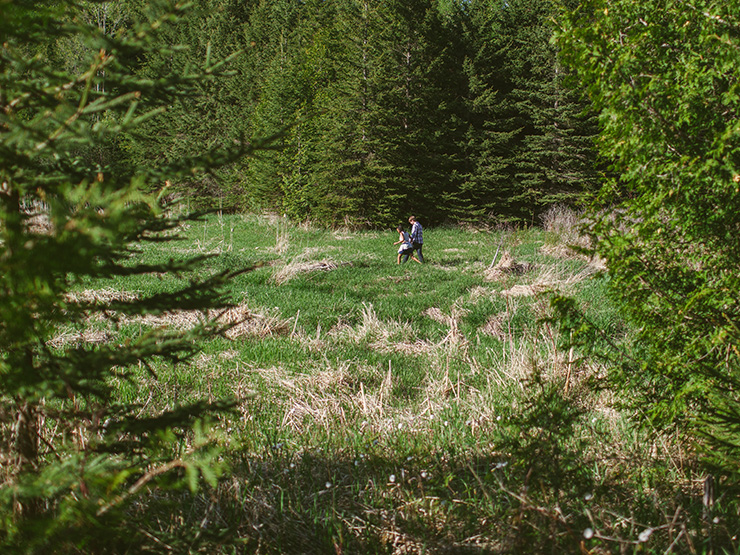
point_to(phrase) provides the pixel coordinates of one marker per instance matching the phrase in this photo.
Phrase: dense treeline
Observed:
(454, 110)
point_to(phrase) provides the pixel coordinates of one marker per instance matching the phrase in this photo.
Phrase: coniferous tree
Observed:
(489, 189)
(530, 138)
(210, 34)
(420, 109)
(557, 160)
(283, 90)
(391, 117)
(453, 110)
(349, 172)
(74, 457)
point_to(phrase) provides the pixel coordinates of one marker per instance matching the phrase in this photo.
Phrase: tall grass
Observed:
(415, 408)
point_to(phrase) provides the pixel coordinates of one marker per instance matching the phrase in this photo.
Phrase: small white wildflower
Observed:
(292, 465)
(424, 474)
(392, 478)
(357, 463)
(410, 458)
(447, 423)
(715, 520)
(593, 420)
(400, 425)
(498, 417)
(327, 485)
(588, 497)
(588, 533)
(645, 535)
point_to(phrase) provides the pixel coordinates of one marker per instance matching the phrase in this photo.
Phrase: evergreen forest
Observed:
(452, 109)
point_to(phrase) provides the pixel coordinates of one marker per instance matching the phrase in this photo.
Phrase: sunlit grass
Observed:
(389, 407)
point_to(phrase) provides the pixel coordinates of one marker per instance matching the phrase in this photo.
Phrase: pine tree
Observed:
(390, 119)
(557, 161)
(348, 172)
(286, 75)
(530, 139)
(420, 110)
(490, 191)
(74, 457)
(215, 113)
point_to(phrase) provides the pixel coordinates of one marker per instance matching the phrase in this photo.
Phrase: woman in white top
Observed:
(407, 248)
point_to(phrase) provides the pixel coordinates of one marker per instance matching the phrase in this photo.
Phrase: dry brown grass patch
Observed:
(305, 263)
(507, 266)
(549, 280)
(90, 337)
(496, 326)
(102, 296)
(240, 320)
(245, 322)
(395, 336)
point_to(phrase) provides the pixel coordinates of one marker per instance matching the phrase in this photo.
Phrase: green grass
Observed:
(413, 408)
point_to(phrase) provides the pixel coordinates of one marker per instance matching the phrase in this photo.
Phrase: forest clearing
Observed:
(209, 342)
(404, 409)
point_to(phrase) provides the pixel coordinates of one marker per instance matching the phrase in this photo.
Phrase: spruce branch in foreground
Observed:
(72, 460)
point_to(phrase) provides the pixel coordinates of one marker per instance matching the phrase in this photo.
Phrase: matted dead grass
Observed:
(551, 279)
(322, 399)
(497, 326)
(307, 262)
(507, 266)
(89, 337)
(395, 336)
(246, 322)
(290, 271)
(334, 395)
(477, 293)
(570, 251)
(240, 320)
(382, 336)
(102, 296)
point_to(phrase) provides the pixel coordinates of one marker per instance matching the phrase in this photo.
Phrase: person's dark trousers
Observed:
(417, 248)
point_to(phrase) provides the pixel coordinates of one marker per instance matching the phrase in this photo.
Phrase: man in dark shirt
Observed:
(416, 237)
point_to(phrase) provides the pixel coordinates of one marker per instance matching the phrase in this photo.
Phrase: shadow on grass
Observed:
(380, 500)
(316, 503)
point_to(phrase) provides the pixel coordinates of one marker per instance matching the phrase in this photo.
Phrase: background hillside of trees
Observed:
(455, 110)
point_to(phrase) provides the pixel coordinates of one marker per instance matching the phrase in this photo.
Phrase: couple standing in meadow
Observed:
(410, 243)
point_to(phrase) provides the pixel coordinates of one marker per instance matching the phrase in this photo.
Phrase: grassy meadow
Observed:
(410, 408)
